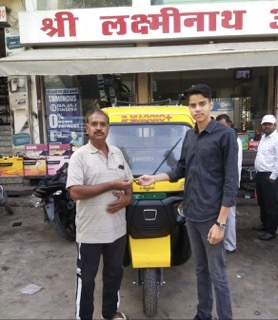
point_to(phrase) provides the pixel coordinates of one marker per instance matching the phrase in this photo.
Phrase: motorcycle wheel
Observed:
(150, 291)
(8, 208)
(65, 223)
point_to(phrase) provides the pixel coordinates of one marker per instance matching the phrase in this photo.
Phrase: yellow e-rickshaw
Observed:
(151, 139)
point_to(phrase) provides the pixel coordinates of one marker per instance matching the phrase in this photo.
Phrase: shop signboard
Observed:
(64, 115)
(184, 20)
(221, 106)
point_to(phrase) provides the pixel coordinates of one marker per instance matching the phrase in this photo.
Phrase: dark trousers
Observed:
(267, 195)
(211, 272)
(88, 258)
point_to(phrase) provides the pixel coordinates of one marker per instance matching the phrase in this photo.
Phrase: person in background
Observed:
(208, 162)
(230, 232)
(266, 165)
(100, 181)
(75, 139)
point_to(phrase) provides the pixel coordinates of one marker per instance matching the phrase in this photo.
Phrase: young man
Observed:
(99, 179)
(230, 232)
(266, 165)
(209, 164)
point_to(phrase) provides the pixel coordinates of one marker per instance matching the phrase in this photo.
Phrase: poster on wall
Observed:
(64, 116)
(18, 92)
(12, 41)
(221, 106)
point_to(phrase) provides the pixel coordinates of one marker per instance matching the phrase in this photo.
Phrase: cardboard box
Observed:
(36, 151)
(11, 167)
(34, 167)
(59, 149)
(244, 139)
(54, 163)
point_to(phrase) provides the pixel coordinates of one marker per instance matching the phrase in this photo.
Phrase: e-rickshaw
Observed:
(151, 139)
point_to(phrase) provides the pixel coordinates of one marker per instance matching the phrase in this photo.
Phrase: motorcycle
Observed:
(4, 200)
(247, 183)
(56, 203)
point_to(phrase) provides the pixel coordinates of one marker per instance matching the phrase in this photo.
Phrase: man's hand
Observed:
(122, 184)
(215, 234)
(145, 180)
(122, 201)
(90, 191)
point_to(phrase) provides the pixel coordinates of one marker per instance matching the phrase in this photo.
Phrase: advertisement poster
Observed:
(223, 106)
(64, 116)
(12, 42)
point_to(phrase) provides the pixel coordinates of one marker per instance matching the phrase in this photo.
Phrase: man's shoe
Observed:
(197, 317)
(260, 227)
(267, 236)
(118, 316)
(230, 251)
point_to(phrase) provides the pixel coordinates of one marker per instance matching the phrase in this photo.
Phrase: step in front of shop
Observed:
(16, 186)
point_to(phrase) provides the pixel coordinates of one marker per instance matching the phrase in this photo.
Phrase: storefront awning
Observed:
(81, 61)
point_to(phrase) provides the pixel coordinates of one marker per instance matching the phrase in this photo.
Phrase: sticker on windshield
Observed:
(146, 118)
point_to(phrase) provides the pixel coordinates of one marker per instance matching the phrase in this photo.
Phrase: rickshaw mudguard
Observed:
(150, 252)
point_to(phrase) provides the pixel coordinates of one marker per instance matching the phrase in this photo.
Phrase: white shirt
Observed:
(89, 166)
(239, 162)
(267, 155)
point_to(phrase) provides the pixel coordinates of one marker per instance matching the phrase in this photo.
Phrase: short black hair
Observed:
(96, 110)
(203, 89)
(223, 116)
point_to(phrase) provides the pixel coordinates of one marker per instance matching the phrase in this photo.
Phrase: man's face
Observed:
(199, 107)
(268, 128)
(97, 127)
(74, 135)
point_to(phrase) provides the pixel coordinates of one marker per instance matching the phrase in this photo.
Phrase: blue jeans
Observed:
(230, 232)
(210, 266)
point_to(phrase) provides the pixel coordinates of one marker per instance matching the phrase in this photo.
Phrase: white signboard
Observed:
(135, 24)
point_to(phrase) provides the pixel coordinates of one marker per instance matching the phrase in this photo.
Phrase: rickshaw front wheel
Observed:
(150, 291)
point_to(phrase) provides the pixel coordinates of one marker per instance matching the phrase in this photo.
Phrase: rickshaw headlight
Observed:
(180, 218)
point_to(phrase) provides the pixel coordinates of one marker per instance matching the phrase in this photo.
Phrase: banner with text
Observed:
(64, 116)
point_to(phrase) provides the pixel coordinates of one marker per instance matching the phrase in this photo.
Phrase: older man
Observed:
(266, 165)
(99, 179)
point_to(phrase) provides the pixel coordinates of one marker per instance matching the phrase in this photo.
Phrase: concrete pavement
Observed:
(31, 253)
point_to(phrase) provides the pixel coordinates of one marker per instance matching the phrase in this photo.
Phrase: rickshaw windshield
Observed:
(149, 148)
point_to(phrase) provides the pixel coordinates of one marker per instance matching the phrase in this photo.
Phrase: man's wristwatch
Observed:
(222, 226)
